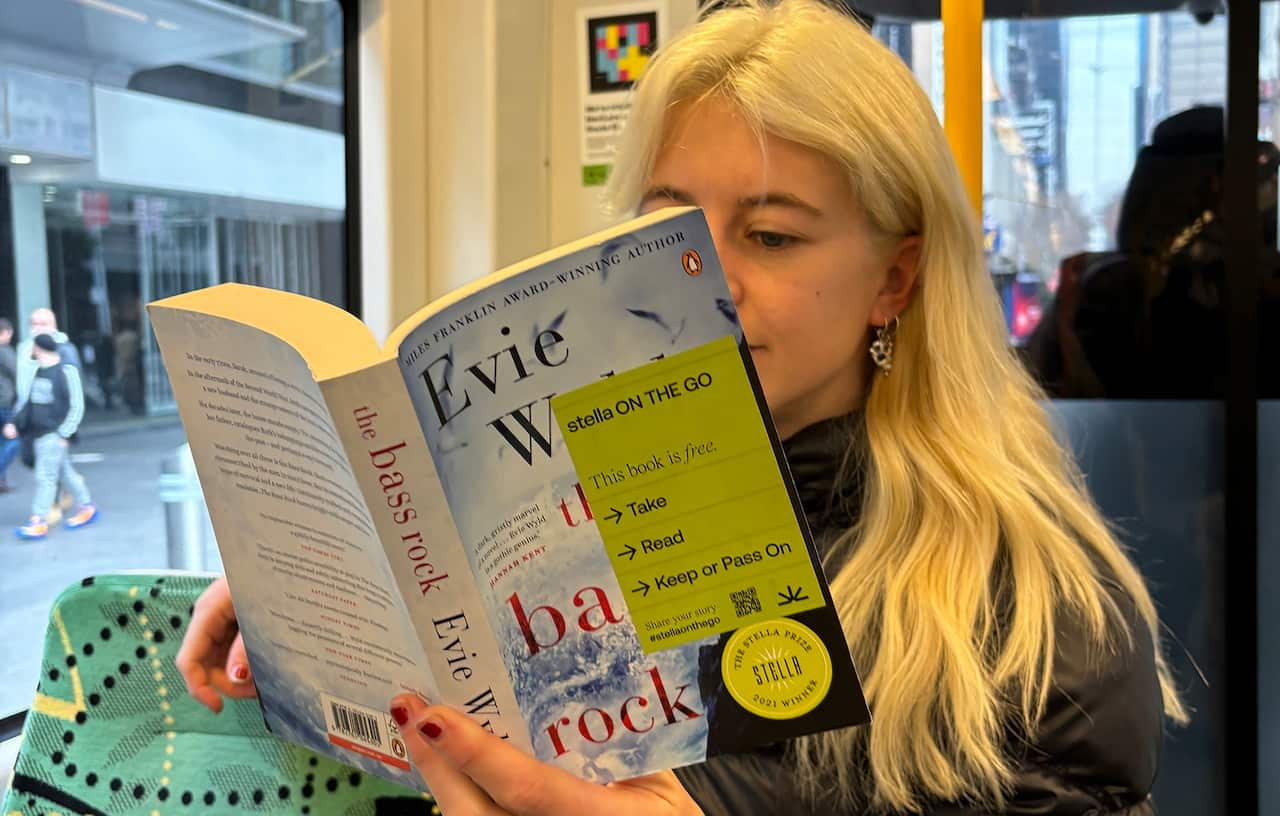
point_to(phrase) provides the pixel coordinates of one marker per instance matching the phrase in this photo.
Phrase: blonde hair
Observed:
(976, 534)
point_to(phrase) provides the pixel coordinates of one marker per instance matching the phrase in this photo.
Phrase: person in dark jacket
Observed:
(47, 415)
(1008, 647)
(44, 321)
(1148, 319)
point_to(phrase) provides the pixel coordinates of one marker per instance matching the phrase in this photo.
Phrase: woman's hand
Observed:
(212, 658)
(10, 431)
(472, 772)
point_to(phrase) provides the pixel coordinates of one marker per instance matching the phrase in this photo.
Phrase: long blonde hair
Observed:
(976, 535)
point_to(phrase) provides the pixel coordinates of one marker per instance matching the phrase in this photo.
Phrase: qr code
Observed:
(745, 602)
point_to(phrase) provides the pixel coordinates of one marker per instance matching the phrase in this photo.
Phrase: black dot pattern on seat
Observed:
(107, 659)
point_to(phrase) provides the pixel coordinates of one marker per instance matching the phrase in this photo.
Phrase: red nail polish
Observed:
(240, 673)
(400, 714)
(430, 730)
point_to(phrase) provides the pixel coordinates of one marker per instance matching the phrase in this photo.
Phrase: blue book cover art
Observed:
(480, 373)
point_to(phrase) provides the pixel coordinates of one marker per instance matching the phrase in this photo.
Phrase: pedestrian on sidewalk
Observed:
(44, 321)
(8, 396)
(47, 416)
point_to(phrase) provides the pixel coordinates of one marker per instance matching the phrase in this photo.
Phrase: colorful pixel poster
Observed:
(618, 42)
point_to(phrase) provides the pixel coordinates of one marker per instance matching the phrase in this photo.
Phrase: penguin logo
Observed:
(692, 263)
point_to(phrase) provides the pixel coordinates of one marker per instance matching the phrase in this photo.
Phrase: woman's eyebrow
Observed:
(766, 199)
(666, 192)
(778, 199)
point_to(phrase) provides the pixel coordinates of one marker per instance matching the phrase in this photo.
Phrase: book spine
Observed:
(428, 563)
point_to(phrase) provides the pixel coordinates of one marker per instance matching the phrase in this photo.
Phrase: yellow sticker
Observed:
(689, 496)
(779, 669)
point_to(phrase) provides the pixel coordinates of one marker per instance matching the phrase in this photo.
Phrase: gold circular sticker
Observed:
(777, 669)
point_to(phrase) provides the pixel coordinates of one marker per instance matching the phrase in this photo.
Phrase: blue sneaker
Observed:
(85, 515)
(35, 529)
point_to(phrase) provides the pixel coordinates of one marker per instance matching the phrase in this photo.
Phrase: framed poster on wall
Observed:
(616, 46)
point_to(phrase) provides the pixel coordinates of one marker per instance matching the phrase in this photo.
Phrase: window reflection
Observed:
(1103, 167)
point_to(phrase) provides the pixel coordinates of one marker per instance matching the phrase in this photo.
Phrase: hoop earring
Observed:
(882, 347)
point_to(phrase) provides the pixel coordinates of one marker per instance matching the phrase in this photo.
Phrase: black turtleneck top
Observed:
(831, 498)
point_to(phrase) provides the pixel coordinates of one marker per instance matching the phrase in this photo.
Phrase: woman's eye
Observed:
(772, 240)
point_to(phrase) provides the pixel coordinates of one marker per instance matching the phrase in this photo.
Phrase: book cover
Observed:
(482, 375)
(553, 500)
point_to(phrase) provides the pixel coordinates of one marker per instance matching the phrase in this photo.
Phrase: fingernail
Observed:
(239, 672)
(400, 714)
(430, 730)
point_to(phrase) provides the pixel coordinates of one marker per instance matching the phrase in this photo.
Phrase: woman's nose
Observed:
(735, 286)
(730, 263)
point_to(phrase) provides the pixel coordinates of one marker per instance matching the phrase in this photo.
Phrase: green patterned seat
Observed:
(113, 731)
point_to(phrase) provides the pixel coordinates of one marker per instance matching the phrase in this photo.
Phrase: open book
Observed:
(554, 500)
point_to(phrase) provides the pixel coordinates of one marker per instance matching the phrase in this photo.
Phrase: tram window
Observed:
(1101, 171)
(1102, 180)
(150, 148)
(919, 44)
(1101, 183)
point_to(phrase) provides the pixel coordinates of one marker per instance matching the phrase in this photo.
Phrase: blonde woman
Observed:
(1007, 645)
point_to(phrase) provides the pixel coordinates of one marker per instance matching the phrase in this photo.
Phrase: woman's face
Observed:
(805, 276)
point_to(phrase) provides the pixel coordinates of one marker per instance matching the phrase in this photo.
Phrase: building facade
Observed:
(125, 175)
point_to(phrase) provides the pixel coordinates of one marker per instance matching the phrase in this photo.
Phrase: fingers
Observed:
(206, 696)
(516, 781)
(199, 643)
(454, 792)
(194, 674)
(471, 771)
(235, 679)
(206, 647)
(237, 666)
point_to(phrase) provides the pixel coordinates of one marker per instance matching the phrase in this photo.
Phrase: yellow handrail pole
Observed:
(962, 89)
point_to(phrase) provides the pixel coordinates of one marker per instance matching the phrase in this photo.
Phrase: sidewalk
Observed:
(121, 464)
(98, 425)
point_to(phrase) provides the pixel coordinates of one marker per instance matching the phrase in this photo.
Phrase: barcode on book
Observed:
(745, 602)
(363, 730)
(354, 724)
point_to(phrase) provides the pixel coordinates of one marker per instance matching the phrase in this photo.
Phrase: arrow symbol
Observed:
(792, 595)
(642, 585)
(616, 515)
(629, 552)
